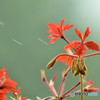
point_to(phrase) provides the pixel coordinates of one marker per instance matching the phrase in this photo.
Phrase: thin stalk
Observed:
(71, 89)
(63, 37)
(70, 94)
(65, 54)
(62, 89)
(93, 54)
(63, 83)
(81, 81)
(52, 89)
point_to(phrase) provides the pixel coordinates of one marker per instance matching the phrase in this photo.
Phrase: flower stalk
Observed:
(81, 82)
(93, 54)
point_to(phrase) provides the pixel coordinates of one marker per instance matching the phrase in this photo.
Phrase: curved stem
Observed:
(81, 81)
(65, 54)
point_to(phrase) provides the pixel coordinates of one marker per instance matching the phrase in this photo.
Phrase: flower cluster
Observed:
(75, 60)
(7, 85)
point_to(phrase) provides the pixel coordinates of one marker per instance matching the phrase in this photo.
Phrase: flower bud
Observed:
(63, 73)
(90, 90)
(75, 67)
(43, 75)
(54, 77)
(89, 87)
(78, 66)
(51, 83)
(51, 63)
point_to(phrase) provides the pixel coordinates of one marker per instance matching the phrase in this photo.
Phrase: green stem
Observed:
(81, 80)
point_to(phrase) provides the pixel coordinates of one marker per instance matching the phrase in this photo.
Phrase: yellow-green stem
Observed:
(81, 80)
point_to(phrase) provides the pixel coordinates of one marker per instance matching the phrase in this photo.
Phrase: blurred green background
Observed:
(24, 48)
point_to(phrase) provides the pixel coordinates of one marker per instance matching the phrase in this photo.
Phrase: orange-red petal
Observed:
(90, 90)
(67, 27)
(80, 49)
(54, 77)
(61, 25)
(92, 45)
(78, 33)
(16, 92)
(87, 33)
(66, 59)
(53, 40)
(62, 59)
(53, 29)
(24, 98)
(69, 62)
(71, 45)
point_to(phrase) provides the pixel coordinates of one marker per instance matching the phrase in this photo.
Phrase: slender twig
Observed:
(66, 96)
(63, 83)
(70, 94)
(93, 54)
(62, 89)
(52, 89)
(63, 37)
(71, 88)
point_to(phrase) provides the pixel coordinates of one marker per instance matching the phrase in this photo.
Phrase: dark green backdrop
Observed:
(23, 25)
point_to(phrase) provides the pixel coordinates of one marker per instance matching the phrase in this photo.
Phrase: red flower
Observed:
(24, 98)
(2, 96)
(89, 88)
(6, 84)
(79, 46)
(66, 59)
(3, 73)
(16, 94)
(56, 31)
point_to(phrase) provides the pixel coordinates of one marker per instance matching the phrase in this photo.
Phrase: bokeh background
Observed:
(24, 48)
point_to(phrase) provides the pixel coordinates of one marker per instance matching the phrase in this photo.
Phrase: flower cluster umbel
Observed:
(7, 85)
(75, 60)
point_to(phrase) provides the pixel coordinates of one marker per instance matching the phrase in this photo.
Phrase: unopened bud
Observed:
(63, 73)
(90, 90)
(78, 66)
(54, 77)
(76, 72)
(51, 83)
(43, 75)
(51, 63)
